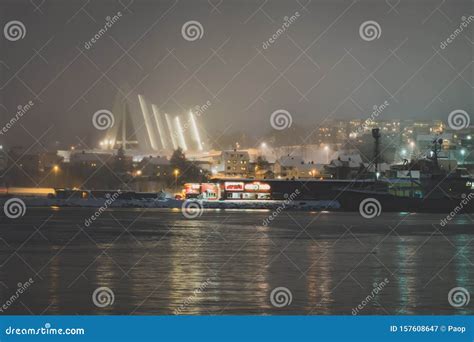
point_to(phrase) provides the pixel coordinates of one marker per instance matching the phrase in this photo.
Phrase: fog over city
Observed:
(249, 59)
(250, 158)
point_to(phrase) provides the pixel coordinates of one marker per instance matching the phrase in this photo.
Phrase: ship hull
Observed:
(351, 201)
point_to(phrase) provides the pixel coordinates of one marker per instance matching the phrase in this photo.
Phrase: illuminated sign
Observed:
(234, 186)
(257, 186)
(192, 188)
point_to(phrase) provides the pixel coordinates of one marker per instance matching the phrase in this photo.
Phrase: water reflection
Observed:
(319, 282)
(54, 289)
(187, 272)
(227, 262)
(463, 264)
(405, 276)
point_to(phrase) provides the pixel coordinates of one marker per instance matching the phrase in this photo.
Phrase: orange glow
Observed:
(28, 191)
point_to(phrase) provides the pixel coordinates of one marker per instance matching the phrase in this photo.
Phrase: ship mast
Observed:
(376, 135)
(435, 151)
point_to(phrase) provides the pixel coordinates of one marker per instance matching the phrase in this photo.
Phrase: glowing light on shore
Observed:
(179, 128)
(148, 123)
(194, 128)
(170, 129)
(159, 124)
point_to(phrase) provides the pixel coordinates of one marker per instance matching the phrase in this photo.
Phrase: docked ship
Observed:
(417, 186)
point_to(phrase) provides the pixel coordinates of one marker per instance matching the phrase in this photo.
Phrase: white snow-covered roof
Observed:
(354, 160)
(290, 161)
(431, 137)
(89, 157)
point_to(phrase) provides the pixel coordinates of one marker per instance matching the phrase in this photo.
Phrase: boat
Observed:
(420, 186)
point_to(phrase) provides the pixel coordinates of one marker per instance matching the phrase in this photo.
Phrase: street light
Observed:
(55, 171)
(463, 153)
(176, 173)
(412, 145)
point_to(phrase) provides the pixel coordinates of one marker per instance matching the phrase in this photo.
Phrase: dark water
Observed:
(154, 260)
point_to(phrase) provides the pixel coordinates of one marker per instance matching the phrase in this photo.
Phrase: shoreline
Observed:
(200, 205)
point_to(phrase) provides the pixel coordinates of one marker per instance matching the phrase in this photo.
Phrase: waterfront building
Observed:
(294, 167)
(158, 166)
(234, 163)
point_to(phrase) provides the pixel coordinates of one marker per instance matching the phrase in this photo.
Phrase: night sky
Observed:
(319, 69)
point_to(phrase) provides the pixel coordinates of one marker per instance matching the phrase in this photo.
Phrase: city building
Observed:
(234, 163)
(346, 166)
(294, 167)
(154, 166)
(48, 160)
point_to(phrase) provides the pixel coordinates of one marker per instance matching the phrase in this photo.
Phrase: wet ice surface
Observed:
(227, 262)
